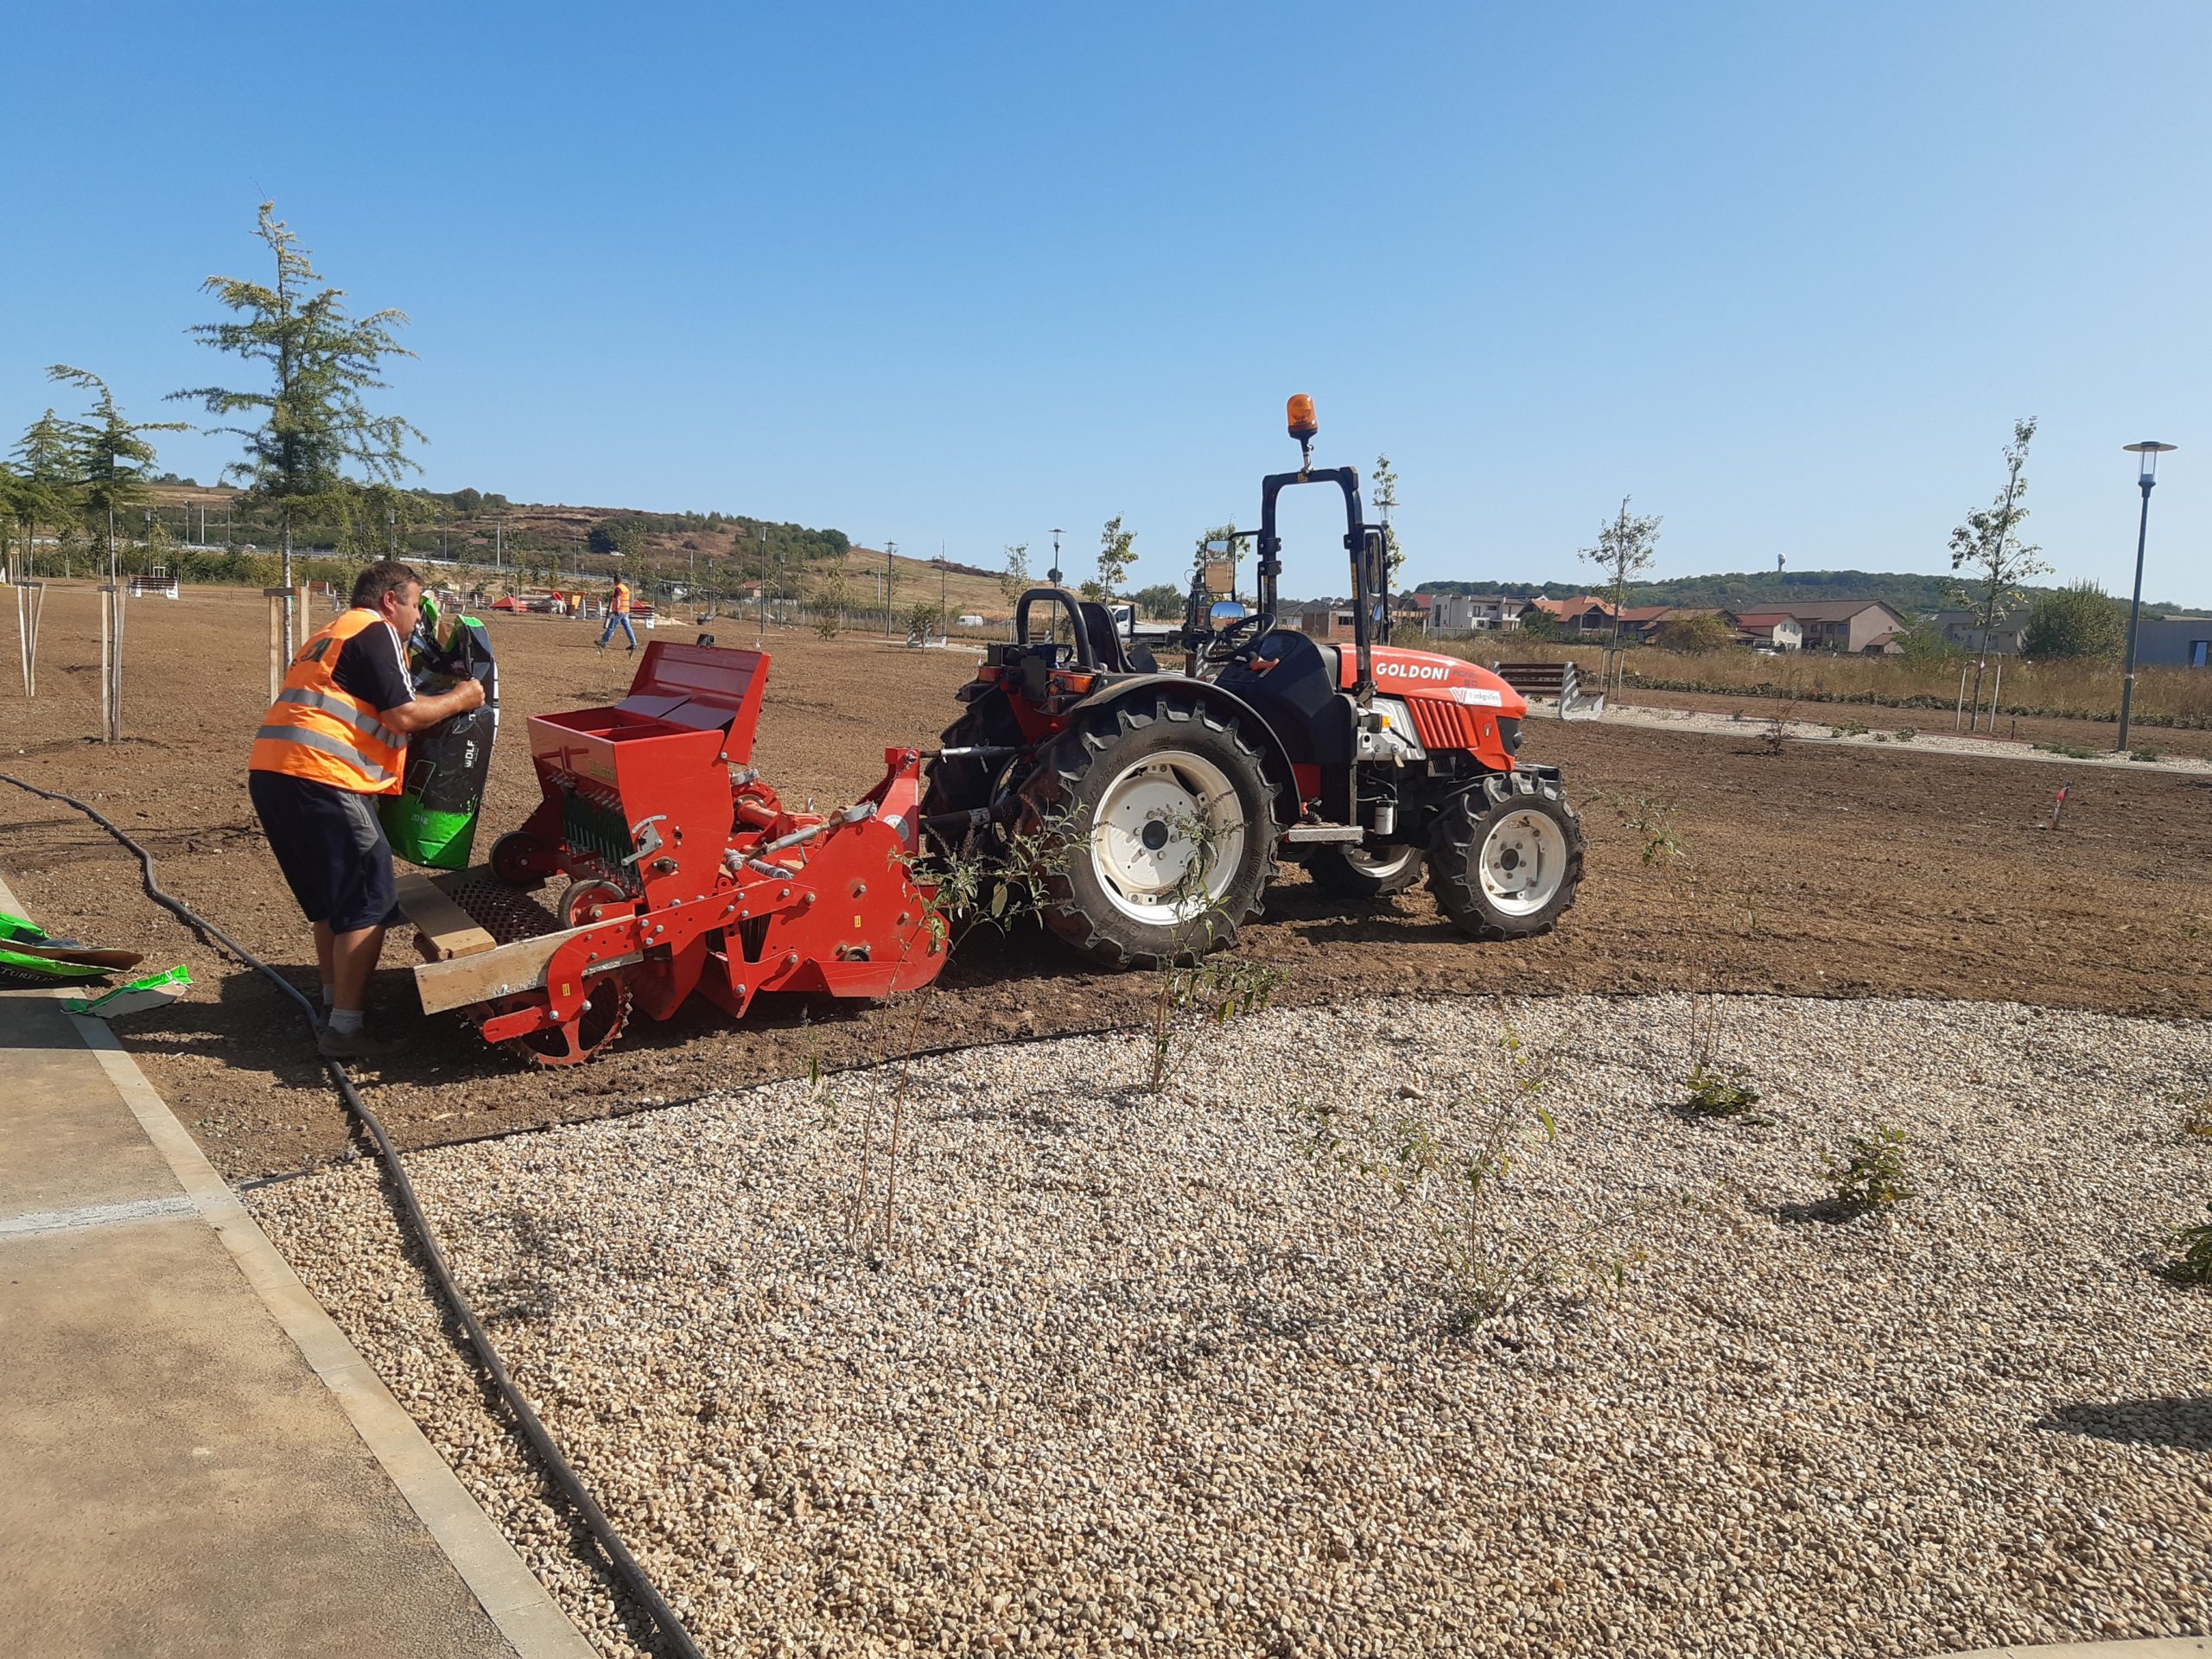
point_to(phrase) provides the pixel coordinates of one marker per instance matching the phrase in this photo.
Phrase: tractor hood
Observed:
(1430, 674)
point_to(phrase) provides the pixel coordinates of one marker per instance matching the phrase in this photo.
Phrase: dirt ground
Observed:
(1823, 870)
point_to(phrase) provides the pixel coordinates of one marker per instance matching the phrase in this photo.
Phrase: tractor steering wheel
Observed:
(1225, 645)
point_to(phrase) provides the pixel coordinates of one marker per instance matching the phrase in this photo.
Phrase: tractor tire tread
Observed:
(1458, 833)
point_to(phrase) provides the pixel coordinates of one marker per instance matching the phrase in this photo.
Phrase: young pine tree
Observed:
(311, 432)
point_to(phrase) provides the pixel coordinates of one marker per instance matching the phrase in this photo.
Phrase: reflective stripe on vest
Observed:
(331, 746)
(367, 725)
(317, 731)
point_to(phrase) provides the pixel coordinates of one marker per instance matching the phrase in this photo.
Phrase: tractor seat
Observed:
(1106, 644)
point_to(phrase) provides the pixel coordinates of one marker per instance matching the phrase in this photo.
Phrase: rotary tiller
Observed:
(684, 872)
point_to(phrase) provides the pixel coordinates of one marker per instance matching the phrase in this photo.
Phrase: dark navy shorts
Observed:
(331, 848)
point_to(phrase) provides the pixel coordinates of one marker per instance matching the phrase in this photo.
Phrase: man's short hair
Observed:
(385, 576)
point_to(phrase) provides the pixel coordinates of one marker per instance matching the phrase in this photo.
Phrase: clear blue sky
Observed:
(960, 274)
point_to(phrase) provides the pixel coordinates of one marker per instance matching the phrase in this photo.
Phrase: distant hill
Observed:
(1750, 589)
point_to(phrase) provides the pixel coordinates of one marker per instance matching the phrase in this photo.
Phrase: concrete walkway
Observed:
(197, 1461)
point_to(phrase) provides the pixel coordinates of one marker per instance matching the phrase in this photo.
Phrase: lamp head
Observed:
(2150, 449)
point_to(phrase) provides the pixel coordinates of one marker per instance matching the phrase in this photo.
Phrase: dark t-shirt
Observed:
(371, 666)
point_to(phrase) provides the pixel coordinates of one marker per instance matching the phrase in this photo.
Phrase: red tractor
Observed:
(1175, 792)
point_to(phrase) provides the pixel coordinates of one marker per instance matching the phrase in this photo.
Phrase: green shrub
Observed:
(1872, 1175)
(2192, 1264)
(1721, 1092)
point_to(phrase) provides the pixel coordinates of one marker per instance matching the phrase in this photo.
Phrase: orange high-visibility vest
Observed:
(315, 731)
(621, 598)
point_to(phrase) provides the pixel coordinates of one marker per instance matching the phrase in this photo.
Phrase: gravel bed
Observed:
(1140, 1375)
(1814, 729)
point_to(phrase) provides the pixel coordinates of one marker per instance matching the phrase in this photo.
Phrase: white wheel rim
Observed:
(1142, 844)
(1382, 866)
(1524, 862)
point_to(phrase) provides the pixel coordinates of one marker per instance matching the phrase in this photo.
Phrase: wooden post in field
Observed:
(30, 599)
(111, 656)
(279, 599)
(118, 598)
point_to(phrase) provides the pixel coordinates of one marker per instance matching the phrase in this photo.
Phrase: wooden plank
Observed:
(502, 972)
(446, 928)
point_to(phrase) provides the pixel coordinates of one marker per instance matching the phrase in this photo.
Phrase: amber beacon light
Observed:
(1303, 426)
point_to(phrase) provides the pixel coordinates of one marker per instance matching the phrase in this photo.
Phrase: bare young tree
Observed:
(1383, 496)
(1117, 553)
(1015, 577)
(1987, 553)
(1623, 552)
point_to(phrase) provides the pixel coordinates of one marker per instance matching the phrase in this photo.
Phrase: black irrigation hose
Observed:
(618, 1554)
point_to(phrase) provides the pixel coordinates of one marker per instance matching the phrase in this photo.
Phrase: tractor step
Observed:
(1308, 834)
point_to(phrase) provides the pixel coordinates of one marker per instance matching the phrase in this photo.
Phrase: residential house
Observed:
(1644, 622)
(1771, 630)
(1855, 626)
(1585, 613)
(1475, 613)
(1964, 629)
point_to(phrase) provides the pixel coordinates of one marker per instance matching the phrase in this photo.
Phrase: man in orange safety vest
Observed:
(618, 611)
(335, 739)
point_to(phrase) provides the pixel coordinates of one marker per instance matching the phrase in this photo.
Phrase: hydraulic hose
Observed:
(672, 1630)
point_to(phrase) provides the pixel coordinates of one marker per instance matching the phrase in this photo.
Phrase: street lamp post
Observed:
(2150, 451)
(889, 548)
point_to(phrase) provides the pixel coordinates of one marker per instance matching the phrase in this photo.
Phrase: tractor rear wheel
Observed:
(1355, 873)
(1169, 830)
(1505, 858)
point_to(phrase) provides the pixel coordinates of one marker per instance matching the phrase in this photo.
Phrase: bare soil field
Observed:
(1821, 871)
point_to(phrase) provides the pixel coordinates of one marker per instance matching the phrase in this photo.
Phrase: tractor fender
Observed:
(1274, 759)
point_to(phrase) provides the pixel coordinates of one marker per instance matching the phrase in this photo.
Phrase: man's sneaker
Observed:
(354, 1045)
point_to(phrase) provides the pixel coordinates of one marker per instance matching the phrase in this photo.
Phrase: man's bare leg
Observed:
(354, 958)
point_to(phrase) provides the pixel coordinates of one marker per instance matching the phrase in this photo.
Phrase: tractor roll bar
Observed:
(1084, 657)
(1269, 565)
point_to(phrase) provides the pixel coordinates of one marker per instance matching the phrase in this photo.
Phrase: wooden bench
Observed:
(1561, 682)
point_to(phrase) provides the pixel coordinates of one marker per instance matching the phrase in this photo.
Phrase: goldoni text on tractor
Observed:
(1175, 793)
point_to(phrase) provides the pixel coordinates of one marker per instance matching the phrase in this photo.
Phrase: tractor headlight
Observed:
(1508, 733)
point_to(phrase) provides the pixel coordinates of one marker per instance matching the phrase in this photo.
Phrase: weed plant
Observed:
(1724, 1094)
(1871, 1175)
(959, 890)
(2192, 1262)
(1454, 1166)
(1194, 989)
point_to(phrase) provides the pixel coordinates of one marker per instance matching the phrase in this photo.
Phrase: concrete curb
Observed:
(2157, 1647)
(518, 1605)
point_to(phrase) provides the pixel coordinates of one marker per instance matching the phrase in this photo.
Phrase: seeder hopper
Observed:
(684, 872)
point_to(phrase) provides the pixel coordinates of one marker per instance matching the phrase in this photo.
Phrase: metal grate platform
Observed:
(506, 913)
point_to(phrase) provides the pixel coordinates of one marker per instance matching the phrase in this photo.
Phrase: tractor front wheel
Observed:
(1165, 828)
(1505, 858)
(1354, 873)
